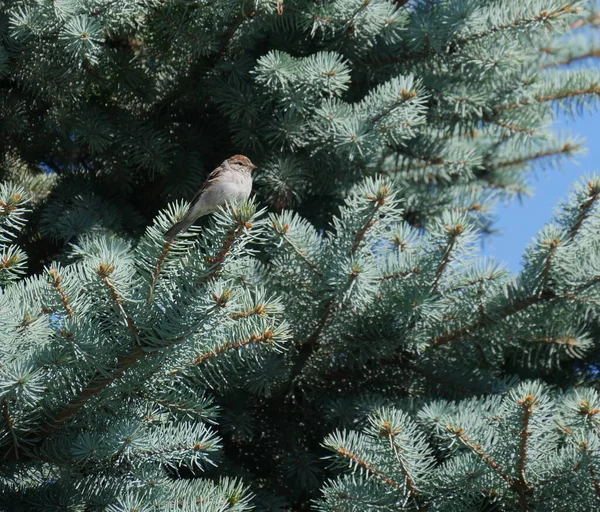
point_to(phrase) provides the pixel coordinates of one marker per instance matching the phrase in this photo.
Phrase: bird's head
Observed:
(241, 162)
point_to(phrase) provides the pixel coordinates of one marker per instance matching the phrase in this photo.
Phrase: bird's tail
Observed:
(178, 227)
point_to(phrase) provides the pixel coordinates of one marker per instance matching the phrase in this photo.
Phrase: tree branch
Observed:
(100, 380)
(369, 223)
(396, 275)
(217, 261)
(266, 337)
(367, 467)
(104, 271)
(157, 269)
(410, 484)
(520, 22)
(592, 89)
(479, 451)
(511, 309)
(554, 245)
(486, 321)
(586, 208)
(57, 285)
(566, 149)
(508, 126)
(299, 252)
(573, 58)
(95, 385)
(528, 403)
(454, 234)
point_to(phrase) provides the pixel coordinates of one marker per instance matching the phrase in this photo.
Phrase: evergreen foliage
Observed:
(336, 342)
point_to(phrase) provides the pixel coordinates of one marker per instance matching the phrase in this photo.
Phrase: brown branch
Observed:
(478, 450)
(314, 337)
(592, 89)
(217, 261)
(177, 407)
(528, 403)
(410, 484)
(454, 231)
(567, 340)
(573, 58)
(397, 275)
(195, 447)
(511, 309)
(567, 149)
(259, 310)
(282, 232)
(311, 344)
(369, 223)
(496, 184)
(225, 39)
(230, 31)
(207, 65)
(542, 16)
(594, 189)
(434, 162)
(95, 385)
(472, 282)
(104, 271)
(368, 467)
(429, 161)
(100, 380)
(405, 96)
(266, 337)
(57, 285)
(508, 126)
(553, 244)
(307, 348)
(157, 269)
(483, 322)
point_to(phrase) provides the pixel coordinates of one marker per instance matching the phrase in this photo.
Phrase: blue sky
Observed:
(519, 222)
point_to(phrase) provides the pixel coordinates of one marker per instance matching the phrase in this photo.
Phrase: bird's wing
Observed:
(212, 177)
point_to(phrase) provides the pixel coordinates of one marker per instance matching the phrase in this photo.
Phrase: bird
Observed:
(231, 182)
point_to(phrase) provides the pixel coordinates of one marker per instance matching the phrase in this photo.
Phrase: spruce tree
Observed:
(336, 343)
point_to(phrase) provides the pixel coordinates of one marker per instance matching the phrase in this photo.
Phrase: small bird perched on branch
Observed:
(231, 182)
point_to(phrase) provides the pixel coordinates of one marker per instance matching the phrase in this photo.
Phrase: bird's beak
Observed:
(252, 167)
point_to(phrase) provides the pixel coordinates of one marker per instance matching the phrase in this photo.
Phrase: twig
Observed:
(527, 404)
(57, 284)
(254, 339)
(454, 233)
(368, 467)
(565, 149)
(586, 208)
(157, 270)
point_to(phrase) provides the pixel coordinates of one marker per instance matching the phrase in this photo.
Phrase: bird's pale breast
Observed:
(233, 187)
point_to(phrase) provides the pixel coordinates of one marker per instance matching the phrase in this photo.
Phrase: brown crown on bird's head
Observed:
(241, 160)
